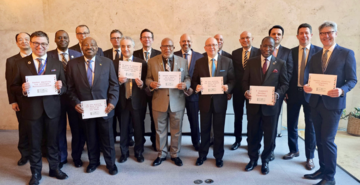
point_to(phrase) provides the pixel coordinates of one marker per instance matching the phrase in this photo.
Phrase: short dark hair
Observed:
(279, 27)
(39, 34)
(147, 30)
(82, 25)
(60, 30)
(268, 37)
(19, 34)
(116, 31)
(304, 25)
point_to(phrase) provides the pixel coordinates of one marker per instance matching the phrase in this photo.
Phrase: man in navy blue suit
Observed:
(326, 110)
(192, 99)
(296, 97)
(82, 31)
(63, 54)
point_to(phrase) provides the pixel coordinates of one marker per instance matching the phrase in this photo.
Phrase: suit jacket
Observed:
(194, 57)
(139, 53)
(286, 55)
(294, 95)
(225, 69)
(10, 72)
(110, 54)
(341, 63)
(77, 48)
(138, 96)
(223, 53)
(238, 66)
(163, 97)
(105, 84)
(72, 54)
(33, 107)
(275, 76)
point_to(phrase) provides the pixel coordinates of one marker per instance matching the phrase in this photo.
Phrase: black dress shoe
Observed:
(251, 165)
(219, 163)
(61, 164)
(123, 158)
(265, 168)
(177, 161)
(272, 156)
(92, 167)
(291, 155)
(58, 174)
(131, 142)
(78, 163)
(326, 182)
(200, 161)
(317, 175)
(22, 161)
(113, 170)
(35, 179)
(139, 158)
(235, 146)
(158, 161)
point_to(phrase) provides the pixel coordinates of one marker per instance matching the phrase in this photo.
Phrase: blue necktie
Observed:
(186, 55)
(89, 72)
(213, 67)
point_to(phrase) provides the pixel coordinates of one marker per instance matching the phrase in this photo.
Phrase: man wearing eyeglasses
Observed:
(326, 110)
(41, 114)
(220, 39)
(82, 31)
(213, 107)
(168, 105)
(23, 43)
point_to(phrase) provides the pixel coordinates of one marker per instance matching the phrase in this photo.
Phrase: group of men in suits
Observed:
(84, 73)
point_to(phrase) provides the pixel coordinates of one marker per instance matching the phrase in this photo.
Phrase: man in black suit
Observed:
(86, 83)
(240, 57)
(82, 31)
(23, 42)
(296, 97)
(264, 70)
(213, 107)
(41, 114)
(220, 39)
(145, 53)
(280, 52)
(63, 54)
(132, 100)
(192, 99)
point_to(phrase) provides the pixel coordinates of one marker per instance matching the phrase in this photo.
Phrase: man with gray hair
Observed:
(327, 109)
(132, 102)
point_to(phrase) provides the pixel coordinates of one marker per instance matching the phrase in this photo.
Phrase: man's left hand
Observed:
(225, 88)
(181, 86)
(334, 93)
(139, 82)
(58, 84)
(189, 92)
(109, 108)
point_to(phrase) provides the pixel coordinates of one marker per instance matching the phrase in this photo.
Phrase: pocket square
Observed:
(275, 71)
(53, 70)
(222, 70)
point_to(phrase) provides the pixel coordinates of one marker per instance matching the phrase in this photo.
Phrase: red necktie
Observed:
(264, 68)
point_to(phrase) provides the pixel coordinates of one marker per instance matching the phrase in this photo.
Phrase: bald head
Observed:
(246, 40)
(89, 47)
(220, 40)
(211, 47)
(185, 42)
(167, 48)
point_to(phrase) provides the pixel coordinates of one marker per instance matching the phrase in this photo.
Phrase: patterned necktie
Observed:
(264, 68)
(63, 60)
(40, 66)
(245, 58)
(213, 67)
(128, 86)
(324, 60)
(117, 55)
(146, 55)
(302, 67)
(168, 67)
(89, 72)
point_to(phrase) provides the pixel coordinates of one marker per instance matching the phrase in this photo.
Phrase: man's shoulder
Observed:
(155, 51)
(74, 47)
(14, 57)
(237, 51)
(137, 59)
(284, 49)
(108, 50)
(102, 59)
(279, 61)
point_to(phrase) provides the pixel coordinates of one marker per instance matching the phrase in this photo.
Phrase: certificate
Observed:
(131, 70)
(169, 79)
(212, 85)
(41, 85)
(93, 109)
(321, 83)
(262, 95)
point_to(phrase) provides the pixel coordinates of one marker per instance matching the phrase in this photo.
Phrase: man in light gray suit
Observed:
(167, 104)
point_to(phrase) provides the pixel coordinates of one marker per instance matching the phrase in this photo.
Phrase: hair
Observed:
(147, 30)
(82, 25)
(19, 34)
(60, 30)
(268, 37)
(39, 34)
(304, 25)
(128, 38)
(279, 27)
(116, 31)
(328, 24)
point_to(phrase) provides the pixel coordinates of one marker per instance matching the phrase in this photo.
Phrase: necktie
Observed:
(128, 86)
(168, 67)
(63, 60)
(146, 55)
(186, 56)
(245, 58)
(213, 67)
(275, 52)
(89, 71)
(324, 60)
(117, 55)
(302, 67)
(40, 66)
(264, 68)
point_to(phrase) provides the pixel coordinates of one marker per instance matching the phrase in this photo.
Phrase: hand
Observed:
(229, 96)
(15, 107)
(199, 88)
(58, 84)
(307, 88)
(122, 79)
(154, 85)
(286, 98)
(139, 82)
(181, 86)
(334, 93)
(247, 95)
(275, 97)
(79, 109)
(109, 108)
(225, 88)
(189, 92)
(25, 87)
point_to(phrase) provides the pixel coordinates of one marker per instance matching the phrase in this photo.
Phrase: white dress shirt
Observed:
(66, 56)
(300, 59)
(92, 66)
(210, 63)
(37, 63)
(188, 57)
(276, 50)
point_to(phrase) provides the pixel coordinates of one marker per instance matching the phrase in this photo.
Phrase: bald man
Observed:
(168, 105)
(240, 57)
(213, 107)
(220, 39)
(192, 99)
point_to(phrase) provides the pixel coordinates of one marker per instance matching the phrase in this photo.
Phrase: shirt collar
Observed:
(307, 46)
(126, 59)
(35, 57)
(60, 52)
(24, 54)
(249, 50)
(189, 52)
(216, 57)
(114, 50)
(263, 58)
(331, 49)
(146, 51)
(93, 59)
(277, 47)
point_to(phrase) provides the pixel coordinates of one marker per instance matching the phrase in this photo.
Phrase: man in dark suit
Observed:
(220, 39)
(23, 42)
(296, 97)
(280, 52)
(264, 70)
(213, 107)
(63, 54)
(41, 114)
(91, 78)
(240, 57)
(192, 101)
(82, 31)
(145, 53)
(326, 110)
(132, 104)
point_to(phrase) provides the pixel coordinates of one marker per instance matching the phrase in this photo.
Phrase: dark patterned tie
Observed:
(117, 56)
(63, 60)
(40, 66)
(146, 56)
(89, 71)
(245, 58)
(264, 68)
(302, 67)
(324, 60)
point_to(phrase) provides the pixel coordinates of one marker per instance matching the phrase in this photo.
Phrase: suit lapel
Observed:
(280, 52)
(332, 58)
(270, 69)
(177, 64)
(82, 69)
(31, 65)
(98, 69)
(218, 65)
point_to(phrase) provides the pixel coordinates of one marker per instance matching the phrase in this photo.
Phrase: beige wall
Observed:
(200, 18)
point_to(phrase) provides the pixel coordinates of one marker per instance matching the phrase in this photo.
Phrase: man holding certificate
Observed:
(326, 109)
(94, 91)
(264, 81)
(168, 77)
(213, 78)
(39, 74)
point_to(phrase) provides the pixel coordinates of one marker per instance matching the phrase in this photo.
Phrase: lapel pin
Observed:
(100, 64)
(29, 62)
(72, 56)
(274, 62)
